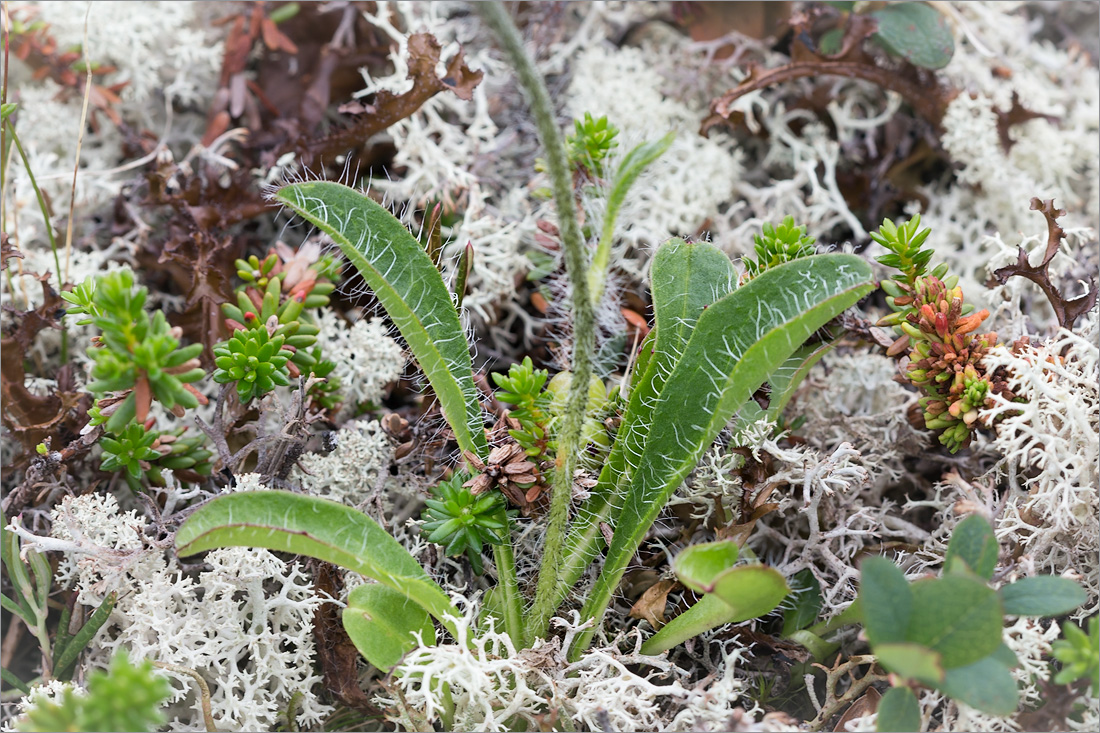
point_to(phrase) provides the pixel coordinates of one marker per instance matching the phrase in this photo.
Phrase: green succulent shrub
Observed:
(464, 522)
(135, 353)
(1079, 655)
(126, 697)
(254, 360)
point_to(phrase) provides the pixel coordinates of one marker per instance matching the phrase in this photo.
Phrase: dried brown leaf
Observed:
(651, 606)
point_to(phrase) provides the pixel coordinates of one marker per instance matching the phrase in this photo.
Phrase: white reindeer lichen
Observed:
(244, 624)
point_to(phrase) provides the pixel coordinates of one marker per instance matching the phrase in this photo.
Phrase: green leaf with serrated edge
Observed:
(635, 162)
(912, 661)
(314, 527)
(1042, 595)
(885, 600)
(410, 288)
(986, 684)
(685, 279)
(917, 32)
(742, 593)
(898, 712)
(958, 616)
(804, 604)
(974, 544)
(736, 344)
(382, 624)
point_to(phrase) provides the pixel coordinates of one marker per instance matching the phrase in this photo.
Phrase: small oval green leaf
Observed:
(974, 544)
(383, 624)
(885, 600)
(1042, 595)
(700, 565)
(986, 685)
(911, 661)
(958, 616)
(898, 712)
(917, 32)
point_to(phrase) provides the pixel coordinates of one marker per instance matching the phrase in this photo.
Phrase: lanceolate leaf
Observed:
(686, 279)
(314, 527)
(736, 344)
(636, 161)
(408, 285)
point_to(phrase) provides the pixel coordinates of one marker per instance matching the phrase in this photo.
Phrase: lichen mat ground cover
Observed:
(409, 366)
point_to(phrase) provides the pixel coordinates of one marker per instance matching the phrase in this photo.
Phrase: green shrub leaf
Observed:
(805, 602)
(986, 685)
(958, 616)
(314, 527)
(911, 661)
(740, 593)
(917, 32)
(700, 565)
(410, 288)
(974, 544)
(898, 712)
(1042, 595)
(886, 601)
(381, 623)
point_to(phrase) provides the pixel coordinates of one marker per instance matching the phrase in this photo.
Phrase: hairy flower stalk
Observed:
(569, 440)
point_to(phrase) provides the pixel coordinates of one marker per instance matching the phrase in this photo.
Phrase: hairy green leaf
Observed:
(410, 288)
(686, 279)
(737, 343)
(635, 162)
(314, 527)
(382, 624)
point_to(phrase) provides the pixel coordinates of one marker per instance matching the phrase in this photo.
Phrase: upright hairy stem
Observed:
(569, 440)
